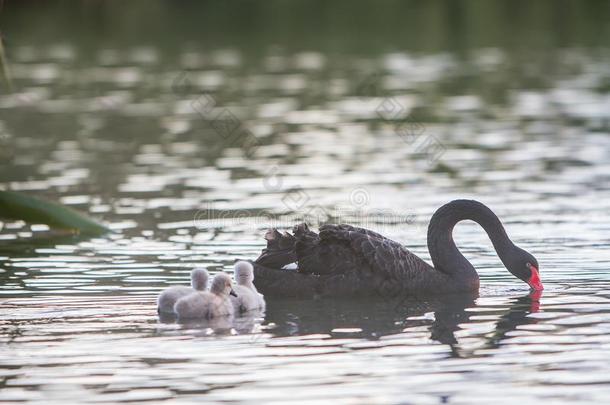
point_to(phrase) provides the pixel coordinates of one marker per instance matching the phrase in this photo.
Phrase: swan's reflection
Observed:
(206, 327)
(516, 316)
(246, 323)
(249, 322)
(374, 319)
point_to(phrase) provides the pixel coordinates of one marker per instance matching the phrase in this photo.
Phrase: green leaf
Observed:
(15, 205)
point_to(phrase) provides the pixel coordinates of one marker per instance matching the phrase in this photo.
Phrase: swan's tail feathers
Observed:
(301, 229)
(277, 240)
(280, 250)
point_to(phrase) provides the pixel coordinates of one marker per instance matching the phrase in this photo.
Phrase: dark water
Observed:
(192, 131)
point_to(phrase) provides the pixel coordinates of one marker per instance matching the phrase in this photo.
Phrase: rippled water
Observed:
(379, 140)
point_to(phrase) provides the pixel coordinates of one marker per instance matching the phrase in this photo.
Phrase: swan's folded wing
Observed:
(389, 261)
(346, 227)
(315, 256)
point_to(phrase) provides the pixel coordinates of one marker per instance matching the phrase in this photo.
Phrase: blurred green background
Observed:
(354, 26)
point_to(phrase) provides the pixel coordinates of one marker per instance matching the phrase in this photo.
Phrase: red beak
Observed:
(534, 281)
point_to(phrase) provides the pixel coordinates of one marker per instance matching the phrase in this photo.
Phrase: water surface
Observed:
(189, 152)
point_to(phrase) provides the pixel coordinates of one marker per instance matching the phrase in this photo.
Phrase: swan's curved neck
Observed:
(445, 255)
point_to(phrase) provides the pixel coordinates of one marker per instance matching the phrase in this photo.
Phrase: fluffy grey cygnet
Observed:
(167, 299)
(248, 298)
(208, 304)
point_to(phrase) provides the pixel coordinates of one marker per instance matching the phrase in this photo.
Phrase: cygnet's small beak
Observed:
(233, 293)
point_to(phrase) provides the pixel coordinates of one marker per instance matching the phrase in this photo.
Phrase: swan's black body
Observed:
(343, 260)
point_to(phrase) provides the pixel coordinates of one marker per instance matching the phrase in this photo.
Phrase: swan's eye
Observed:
(528, 265)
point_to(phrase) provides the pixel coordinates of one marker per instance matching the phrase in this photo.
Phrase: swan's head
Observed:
(524, 266)
(244, 273)
(199, 279)
(221, 285)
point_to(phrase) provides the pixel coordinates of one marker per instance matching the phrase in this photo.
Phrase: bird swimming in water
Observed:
(169, 296)
(347, 261)
(208, 304)
(248, 298)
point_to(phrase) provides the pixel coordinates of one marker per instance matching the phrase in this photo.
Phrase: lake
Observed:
(189, 130)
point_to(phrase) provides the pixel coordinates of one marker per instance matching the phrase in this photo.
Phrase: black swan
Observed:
(344, 261)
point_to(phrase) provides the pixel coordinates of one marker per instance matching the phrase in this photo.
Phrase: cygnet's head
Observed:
(199, 278)
(244, 273)
(221, 285)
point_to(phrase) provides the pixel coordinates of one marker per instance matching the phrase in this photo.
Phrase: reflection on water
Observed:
(102, 346)
(130, 133)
